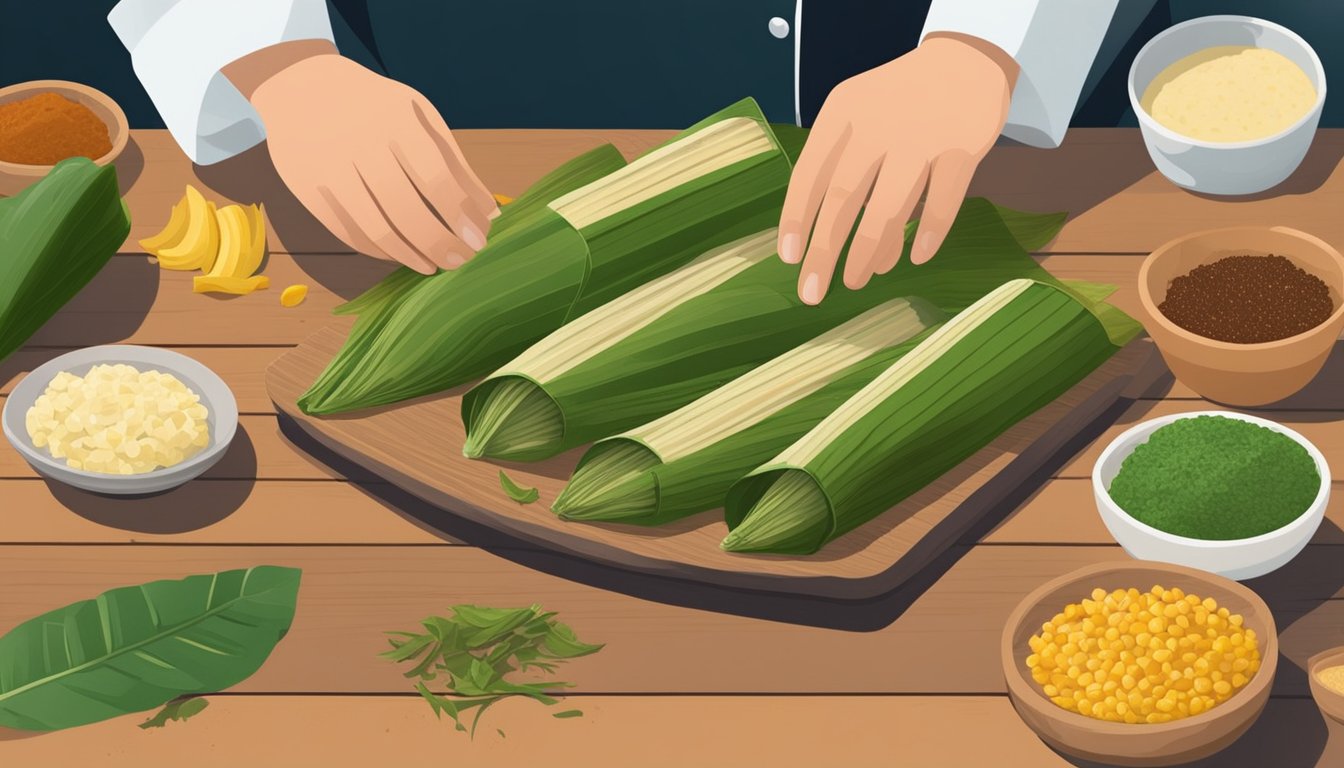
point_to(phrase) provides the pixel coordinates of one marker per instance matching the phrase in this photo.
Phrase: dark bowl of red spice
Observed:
(43, 122)
(1244, 315)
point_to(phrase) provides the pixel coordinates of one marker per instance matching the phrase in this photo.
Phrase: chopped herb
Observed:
(568, 713)
(517, 492)
(474, 649)
(177, 709)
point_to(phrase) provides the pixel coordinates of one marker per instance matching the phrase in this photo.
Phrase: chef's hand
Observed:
(369, 157)
(924, 119)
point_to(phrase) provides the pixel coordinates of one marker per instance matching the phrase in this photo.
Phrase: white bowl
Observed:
(215, 395)
(1238, 559)
(1225, 168)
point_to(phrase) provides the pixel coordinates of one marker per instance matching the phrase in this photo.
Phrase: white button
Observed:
(779, 28)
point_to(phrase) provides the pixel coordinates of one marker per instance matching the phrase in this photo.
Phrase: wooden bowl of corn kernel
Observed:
(1214, 639)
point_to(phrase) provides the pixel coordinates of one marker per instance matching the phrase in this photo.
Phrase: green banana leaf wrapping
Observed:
(134, 648)
(1016, 350)
(674, 482)
(432, 333)
(54, 237)
(754, 316)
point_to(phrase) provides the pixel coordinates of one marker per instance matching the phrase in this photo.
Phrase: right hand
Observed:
(369, 157)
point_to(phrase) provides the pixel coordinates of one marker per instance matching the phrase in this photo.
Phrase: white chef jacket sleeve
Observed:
(178, 48)
(1053, 42)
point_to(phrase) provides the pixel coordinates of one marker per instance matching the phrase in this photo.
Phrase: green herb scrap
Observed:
(517, 492)
(473, 650)
(178, 709)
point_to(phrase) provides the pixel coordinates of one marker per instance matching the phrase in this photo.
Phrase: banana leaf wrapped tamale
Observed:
(1010, 353)
(685, 462)
(604, 228)
(636, 359)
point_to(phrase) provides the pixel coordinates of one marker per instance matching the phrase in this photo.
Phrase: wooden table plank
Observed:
(242, 368)
(205, 512)
(620, 731)
(116, 306)
(258, 451)
(1064, 512)
(945, 641)
(279, 512)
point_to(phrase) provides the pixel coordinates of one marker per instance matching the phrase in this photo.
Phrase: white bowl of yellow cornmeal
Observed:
(121, 419)
(1227, 105)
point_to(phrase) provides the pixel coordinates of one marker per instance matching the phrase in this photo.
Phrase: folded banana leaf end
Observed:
(791, 517)
(614, 485)
(511, 418)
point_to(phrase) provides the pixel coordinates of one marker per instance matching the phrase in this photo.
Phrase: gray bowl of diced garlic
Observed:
(1227, 105)
(121, 419)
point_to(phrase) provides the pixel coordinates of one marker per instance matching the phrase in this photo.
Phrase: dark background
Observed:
(73, 41)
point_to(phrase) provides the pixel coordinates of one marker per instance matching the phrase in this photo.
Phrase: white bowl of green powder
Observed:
(1224, 492)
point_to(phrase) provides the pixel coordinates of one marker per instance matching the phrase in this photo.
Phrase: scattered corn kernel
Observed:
(294, 295)
(1143, 657)
(503, 199)
(118, 420)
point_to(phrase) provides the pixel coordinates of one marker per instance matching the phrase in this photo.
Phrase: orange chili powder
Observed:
(47, 128)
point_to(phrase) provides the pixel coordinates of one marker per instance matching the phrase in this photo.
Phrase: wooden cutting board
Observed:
(418, 447)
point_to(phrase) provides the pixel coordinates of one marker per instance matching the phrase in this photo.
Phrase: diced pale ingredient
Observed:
(118, 420)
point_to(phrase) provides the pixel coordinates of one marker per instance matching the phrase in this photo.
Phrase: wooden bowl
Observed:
(1241, 374)
(1122, 743)
(15, 177)
(1330, 702)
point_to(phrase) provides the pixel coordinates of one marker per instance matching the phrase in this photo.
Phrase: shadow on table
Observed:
(860, 615)
(1285, 736)
(129, 164)
(190, 507)
(1315, 169)
(250, 177)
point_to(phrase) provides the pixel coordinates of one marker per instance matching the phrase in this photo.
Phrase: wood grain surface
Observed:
(706, 677)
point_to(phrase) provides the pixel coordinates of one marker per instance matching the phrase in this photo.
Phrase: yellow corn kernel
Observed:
(293, 295)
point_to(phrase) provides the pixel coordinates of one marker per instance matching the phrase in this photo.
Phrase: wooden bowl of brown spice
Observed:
(1244, 315)
(43, 122)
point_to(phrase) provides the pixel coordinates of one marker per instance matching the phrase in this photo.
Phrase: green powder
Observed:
(1216, 478)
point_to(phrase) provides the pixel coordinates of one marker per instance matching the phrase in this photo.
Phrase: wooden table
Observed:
(912, 680)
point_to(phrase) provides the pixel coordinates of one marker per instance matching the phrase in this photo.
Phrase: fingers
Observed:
(357, 219)
(406, 211)
(421, 160)
(949, 178)
(845, 195)
(880, 237)
(807, 186)
(466, 177)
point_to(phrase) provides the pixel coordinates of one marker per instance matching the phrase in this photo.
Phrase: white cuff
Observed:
(1053, 42)
(178, 48)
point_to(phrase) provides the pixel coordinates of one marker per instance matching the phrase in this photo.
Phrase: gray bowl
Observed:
(215, 395)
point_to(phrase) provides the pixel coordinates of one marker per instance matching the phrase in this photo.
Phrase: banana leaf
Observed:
(134, 648)
(636, 374)
(554, 263)
(1017, 349)
(55, 236)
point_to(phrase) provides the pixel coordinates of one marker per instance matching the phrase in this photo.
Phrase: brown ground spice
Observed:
(1248, 300)
(46, 128)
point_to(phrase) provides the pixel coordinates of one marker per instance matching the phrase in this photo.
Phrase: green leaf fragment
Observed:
(476, 648)
(568, 713)
(517, 492)
(178, 709)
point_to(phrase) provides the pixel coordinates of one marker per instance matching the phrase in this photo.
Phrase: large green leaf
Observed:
(134, 648)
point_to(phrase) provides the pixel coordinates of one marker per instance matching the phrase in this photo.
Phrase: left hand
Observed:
(926, 118)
